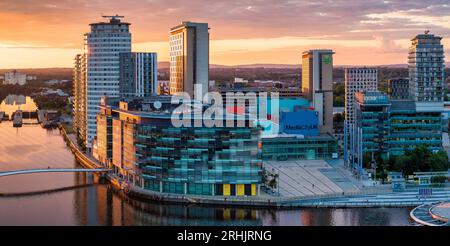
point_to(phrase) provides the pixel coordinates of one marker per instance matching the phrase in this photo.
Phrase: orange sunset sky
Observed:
(48, 33)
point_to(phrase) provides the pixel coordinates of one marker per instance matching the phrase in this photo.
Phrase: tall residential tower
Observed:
(317, 85)
(102, 48)
(426, 72)
(189, 57)
(79, 96)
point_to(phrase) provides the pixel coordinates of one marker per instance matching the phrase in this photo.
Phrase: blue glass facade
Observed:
(286, 148)
(390, 127)
(372, 125)
(302, 122)
(151, 153)
(197, 160)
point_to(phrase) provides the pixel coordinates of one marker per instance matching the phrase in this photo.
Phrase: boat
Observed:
(17, 119)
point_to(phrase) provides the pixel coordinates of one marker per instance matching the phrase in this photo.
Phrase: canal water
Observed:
(87, 203)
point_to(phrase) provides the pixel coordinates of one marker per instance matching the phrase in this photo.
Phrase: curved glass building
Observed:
(149, 151)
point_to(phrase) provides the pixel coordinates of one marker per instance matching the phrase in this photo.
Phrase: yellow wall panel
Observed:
(226, 189)
(240, 189)
(253, 189)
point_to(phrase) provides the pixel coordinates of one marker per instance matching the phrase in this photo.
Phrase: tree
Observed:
(338, 117)
(367, 157)
(405, 165)
(273, 183)
(339, 101)
(338, 95)
(421, 158)
(391, 162)
(439, 161)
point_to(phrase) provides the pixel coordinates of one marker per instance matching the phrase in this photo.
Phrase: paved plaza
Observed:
(310, 177)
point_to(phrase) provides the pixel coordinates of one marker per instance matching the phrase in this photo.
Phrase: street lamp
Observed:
(373, 164)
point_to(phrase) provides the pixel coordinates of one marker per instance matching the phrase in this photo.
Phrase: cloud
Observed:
(413, 18)
(239, 26)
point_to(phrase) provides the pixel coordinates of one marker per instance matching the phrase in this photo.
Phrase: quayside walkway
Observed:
(53, 170)
(388, 199)
(301, 184)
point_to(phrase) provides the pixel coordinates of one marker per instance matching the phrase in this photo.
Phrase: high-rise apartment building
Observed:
(138, 74)
(317, 85)
(398, 89)
(102, 48)
(358, 79)
(426, 72)
(189, 58)
(79, 97)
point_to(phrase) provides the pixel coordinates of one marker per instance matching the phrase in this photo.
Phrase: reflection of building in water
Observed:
(15, 99)
(91, 203)
(100, 205)
(80, 198)
(306, 218)
(303, 217)
(17, 102)
(145, 213)
(310, 217)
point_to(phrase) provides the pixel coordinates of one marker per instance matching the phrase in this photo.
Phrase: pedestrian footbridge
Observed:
(53, 170)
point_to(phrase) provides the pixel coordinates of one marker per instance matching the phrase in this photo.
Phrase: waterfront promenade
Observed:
(337, 197)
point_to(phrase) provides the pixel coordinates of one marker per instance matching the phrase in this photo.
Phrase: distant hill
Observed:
(165, 65)
(37, 71)
(267, 65)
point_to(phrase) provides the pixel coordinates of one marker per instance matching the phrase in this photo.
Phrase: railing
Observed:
(48, 170)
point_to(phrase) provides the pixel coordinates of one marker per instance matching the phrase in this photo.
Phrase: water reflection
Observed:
(34, 147)
(14, 102)
(105, 207)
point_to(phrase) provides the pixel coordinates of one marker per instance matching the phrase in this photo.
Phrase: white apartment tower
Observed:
(357, 79)
(426, 72)
(102, 47)
(189, 58)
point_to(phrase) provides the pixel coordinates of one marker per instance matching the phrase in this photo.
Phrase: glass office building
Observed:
(391, 127)
(150, 152)
(296, 147)
(372, 125)
(410, 128)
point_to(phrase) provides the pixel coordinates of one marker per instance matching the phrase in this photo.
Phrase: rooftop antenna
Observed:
(113, 17)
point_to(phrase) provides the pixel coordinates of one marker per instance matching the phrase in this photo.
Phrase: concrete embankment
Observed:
(81, 157)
